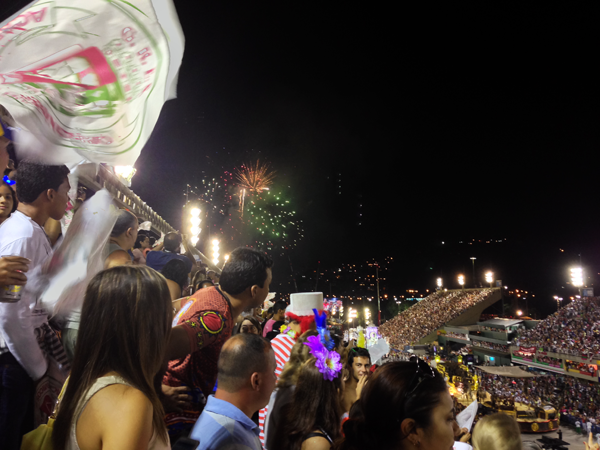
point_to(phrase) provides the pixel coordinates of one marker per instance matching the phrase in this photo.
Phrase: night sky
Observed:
(445, 125)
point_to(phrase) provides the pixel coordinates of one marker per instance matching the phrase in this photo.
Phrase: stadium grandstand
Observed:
(419, 324)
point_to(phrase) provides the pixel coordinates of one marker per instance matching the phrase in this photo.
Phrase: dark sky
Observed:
(446, 125)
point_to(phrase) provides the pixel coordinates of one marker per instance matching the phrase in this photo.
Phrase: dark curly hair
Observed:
(33, 179)
(176, 270)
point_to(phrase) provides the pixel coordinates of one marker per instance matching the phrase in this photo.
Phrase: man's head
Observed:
(279, 311)
(45, 187)
(125, 228)
(172, 242)
(359, 362)
(247, 276)
(247, 369)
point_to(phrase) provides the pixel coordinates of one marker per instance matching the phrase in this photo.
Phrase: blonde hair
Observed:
(497, 432)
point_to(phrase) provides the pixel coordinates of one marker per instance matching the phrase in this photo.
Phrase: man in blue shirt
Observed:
(158, 259)
(245, 380)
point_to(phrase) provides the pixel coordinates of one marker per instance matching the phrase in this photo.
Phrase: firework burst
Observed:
(255, 178)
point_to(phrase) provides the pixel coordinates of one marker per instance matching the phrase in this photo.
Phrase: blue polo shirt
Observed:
(157, 260)
(223, 426)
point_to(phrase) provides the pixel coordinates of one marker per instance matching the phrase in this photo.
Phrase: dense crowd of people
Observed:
(147, 368)
(572, 330)
(491, 346)
(575, 398)
(428, 315)
(162, 350)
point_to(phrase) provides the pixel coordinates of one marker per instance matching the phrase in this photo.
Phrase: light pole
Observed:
(489, 278)
(461, 281)
(558, 300)
(195, 228)
(473, 260)
(215, 243)
(577, 278)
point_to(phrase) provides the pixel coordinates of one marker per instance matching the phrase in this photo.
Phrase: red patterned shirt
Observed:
(207, 319)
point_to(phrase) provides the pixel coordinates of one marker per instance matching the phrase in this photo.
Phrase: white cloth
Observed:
(21, 236)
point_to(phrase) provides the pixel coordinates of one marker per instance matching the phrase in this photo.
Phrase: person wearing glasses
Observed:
(404, 406)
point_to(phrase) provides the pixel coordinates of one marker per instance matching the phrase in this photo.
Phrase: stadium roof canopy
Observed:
(506, 371)
(500, 322)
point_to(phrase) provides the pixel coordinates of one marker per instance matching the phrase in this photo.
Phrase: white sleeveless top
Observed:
(154, 444)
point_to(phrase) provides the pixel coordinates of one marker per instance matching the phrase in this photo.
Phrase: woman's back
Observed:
(113, 414)
(111, 399)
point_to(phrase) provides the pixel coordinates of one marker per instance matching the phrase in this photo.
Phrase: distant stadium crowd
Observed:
(573, 330)
(578, 400)
(428, 315)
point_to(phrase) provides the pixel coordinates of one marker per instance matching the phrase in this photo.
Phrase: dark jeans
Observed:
(16, 403)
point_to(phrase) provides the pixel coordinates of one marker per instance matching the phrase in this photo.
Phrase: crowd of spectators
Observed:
(575, 399)
(462, 336)
(428, 315)
(556, 362)
(573, 330)
(491, 346)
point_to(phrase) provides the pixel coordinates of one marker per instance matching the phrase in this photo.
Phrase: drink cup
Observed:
(10, 293)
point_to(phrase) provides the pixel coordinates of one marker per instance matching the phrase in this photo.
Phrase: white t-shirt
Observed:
(21, 236)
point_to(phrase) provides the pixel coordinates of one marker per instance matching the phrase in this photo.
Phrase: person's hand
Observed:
(175, 399)
(11, 270)
(590, 444)
(361, 384)
(463, 435)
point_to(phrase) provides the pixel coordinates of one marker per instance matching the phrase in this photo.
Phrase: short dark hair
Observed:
(237, 364)
(172, 242)
(141, 238)
(278, 306)
(246, 268)
(125, 220)
(12, 193)
(33, 179)
(176, 270)
(357, 352)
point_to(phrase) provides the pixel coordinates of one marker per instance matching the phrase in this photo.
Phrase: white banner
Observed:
(86, 80)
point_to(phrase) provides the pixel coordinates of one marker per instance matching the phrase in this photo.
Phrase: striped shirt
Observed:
(282, 346)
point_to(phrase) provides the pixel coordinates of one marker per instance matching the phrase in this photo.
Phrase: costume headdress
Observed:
(301, 308)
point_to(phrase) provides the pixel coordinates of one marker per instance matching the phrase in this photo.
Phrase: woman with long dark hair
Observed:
(111, 400)
(405, 405)
(312, 420)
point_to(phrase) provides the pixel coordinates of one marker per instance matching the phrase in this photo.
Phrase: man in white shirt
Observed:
(10, 268)
(43, 194)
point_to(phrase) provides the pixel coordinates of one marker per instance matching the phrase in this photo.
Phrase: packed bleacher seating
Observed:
(428, 315)
(577, 399)
(573, 330)
(492, 346)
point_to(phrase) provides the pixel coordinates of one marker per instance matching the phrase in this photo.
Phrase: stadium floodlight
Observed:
(215, 243)
(558, 300)
(577, 276)
(194, 221)
(439, 283)
(461, 281)
(489, 278)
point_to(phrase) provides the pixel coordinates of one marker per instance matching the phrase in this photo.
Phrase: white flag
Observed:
(86, 80)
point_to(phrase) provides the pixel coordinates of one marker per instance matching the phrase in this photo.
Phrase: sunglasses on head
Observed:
(423, 372)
